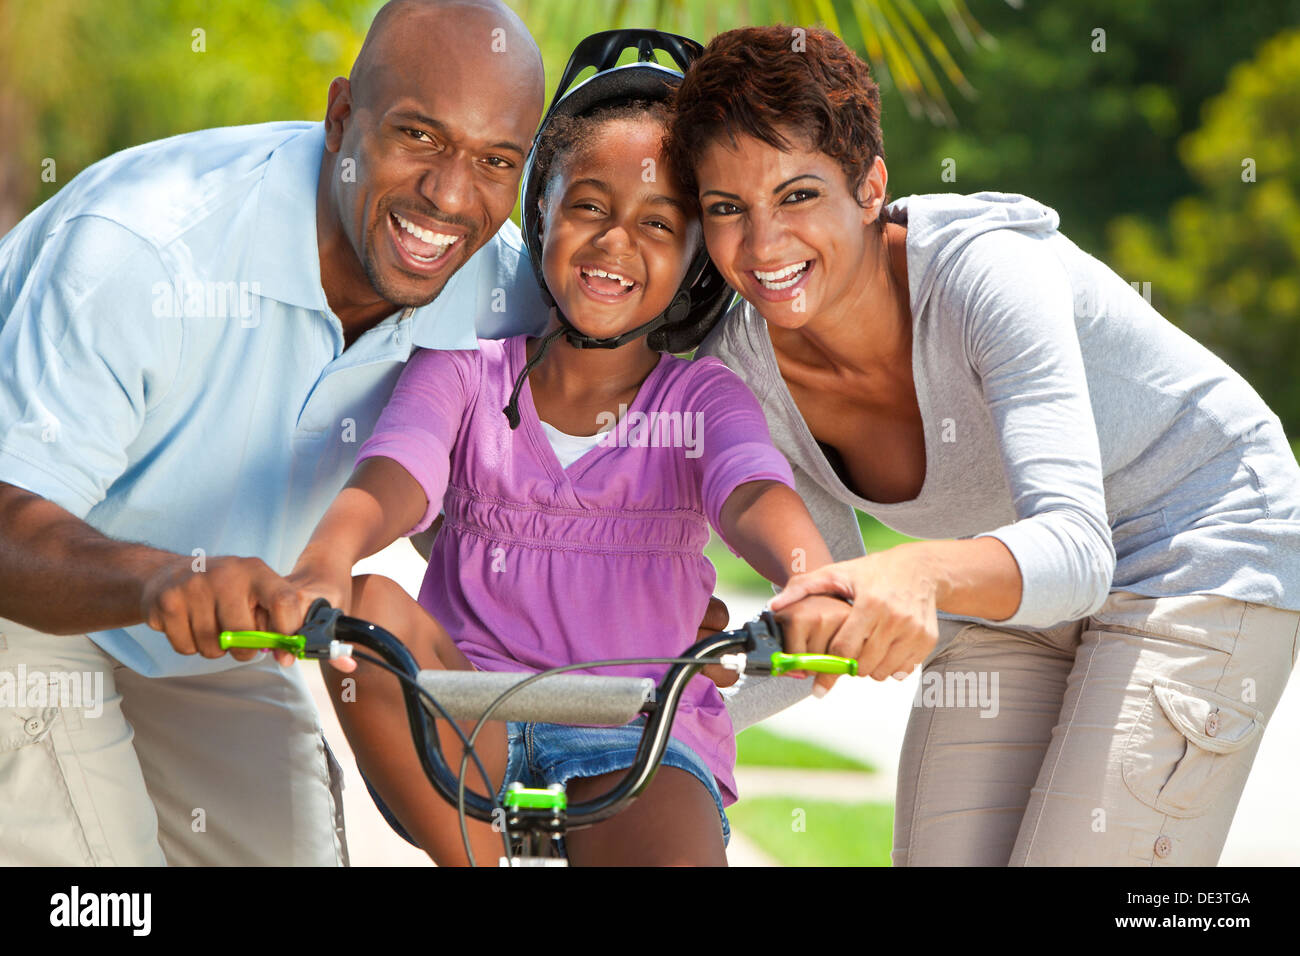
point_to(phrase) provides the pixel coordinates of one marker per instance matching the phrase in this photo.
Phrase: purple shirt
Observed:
(537, 566)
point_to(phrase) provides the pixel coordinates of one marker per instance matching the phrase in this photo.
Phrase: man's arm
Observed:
(61, 576)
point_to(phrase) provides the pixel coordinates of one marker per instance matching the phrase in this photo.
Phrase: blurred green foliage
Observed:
(84, 78)
(1226, 261)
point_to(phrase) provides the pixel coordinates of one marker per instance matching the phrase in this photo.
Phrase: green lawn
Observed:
(799, 832)
(734, 574)
(756, 747)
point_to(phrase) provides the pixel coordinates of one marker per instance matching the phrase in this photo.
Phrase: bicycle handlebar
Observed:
(557, 699)
(568, 698)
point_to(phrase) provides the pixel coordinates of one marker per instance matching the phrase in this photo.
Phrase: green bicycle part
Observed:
(783, 663)
(532, 798)
(295, 644)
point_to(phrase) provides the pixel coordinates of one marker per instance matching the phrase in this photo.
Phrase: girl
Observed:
(563, 542)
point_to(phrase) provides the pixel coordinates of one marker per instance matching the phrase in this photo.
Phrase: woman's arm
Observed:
(1056, 561)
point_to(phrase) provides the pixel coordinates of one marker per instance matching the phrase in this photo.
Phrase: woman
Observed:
(1112, 513)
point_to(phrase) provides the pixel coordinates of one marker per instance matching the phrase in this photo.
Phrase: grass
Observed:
(735, 575)
(756, 747)
(799, 832)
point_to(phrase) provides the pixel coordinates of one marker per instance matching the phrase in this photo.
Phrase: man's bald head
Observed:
(421, 28)
(424, 145)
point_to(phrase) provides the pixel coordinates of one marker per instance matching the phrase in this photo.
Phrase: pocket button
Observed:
(1212, 724)
(1164, 846)
(34, 725)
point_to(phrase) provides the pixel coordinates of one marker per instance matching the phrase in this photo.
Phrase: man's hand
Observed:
(233, 594)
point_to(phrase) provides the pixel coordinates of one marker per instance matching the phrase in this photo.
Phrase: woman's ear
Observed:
(872, 192)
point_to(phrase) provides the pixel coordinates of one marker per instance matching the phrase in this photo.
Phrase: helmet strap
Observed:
(512, 410)
(676, 311)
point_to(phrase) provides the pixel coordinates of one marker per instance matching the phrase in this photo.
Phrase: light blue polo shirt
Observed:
(170, 370)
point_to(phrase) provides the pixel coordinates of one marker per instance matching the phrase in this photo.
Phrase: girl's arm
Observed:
(401, 475)
(769, 526)
(378, 505)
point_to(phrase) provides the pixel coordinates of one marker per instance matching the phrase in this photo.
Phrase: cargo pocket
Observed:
(39, 810)
(1179, 755)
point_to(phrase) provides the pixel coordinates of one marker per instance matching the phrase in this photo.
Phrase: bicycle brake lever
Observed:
(315, 639)
(318, 629)
(766, 653)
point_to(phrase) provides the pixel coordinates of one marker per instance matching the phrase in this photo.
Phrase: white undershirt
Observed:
(569, 448)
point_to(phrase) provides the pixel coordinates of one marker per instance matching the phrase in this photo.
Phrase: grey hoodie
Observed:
(1104, 447)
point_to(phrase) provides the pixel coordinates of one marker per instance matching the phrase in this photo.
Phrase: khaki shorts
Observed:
(100, 766)
(1122, 739)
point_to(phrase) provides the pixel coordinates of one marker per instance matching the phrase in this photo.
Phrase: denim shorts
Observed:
(542, 754)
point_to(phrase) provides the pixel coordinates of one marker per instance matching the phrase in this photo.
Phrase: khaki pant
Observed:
(1122, 739)
(100, 766)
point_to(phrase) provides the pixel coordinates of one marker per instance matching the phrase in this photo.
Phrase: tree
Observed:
(1226, 267)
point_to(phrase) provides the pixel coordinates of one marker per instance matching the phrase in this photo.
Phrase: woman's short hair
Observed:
(769, 82)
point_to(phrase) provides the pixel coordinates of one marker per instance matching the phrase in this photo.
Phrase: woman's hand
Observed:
(891, 626)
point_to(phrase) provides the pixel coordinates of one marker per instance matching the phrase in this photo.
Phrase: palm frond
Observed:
(902, 47)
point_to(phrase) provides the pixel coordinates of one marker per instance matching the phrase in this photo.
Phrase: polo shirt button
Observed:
(1164, 846)
(1212, 724)
(34, 725)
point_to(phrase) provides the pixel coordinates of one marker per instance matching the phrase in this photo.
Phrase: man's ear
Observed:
(337, 113)
(872, 192)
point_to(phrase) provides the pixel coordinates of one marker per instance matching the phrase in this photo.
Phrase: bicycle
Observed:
(534, 821)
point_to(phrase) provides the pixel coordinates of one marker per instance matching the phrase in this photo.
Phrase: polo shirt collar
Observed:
(286, 258)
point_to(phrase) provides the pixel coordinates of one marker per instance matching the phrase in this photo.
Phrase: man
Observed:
(195, 336)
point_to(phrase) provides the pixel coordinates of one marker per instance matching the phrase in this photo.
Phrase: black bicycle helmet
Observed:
(704, 294)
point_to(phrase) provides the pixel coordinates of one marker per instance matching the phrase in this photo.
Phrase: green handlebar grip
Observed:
(548, 799)
(260, 640)
(783, 663)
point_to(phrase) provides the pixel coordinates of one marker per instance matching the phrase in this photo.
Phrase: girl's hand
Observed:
(716, 618)
(318, 579)
(893, 623)
(809, 625)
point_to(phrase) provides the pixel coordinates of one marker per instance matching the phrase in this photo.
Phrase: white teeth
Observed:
(608, 275)
(778, 280)
(426, 235)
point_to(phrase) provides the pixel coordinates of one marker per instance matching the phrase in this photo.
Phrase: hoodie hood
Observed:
(940, 224)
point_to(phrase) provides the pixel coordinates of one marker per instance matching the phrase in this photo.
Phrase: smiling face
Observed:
(615, 247)
(436, 127)
(784, 228)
